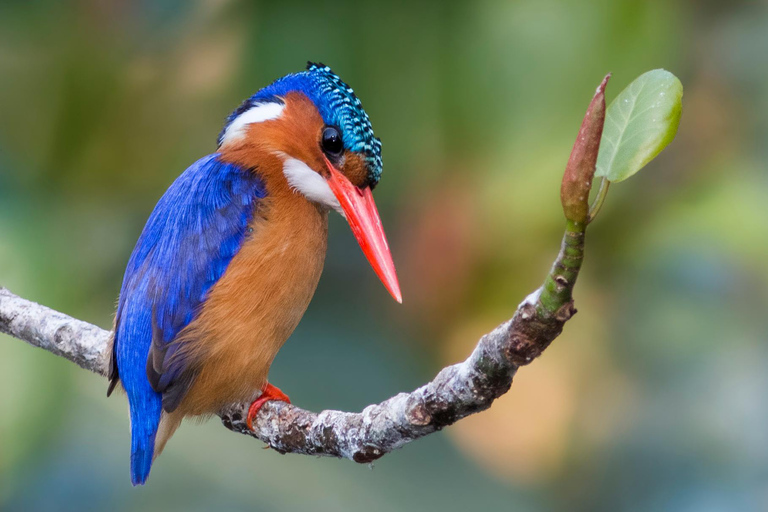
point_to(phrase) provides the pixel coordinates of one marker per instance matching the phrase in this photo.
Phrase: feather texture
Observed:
(337, 104)
(230, 258)
(191, 236)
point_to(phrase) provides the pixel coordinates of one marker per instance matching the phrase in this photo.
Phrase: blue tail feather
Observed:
(145, 418)
(141, 463)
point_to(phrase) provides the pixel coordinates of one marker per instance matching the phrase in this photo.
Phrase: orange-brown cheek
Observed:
(354, 169)
(295, 133)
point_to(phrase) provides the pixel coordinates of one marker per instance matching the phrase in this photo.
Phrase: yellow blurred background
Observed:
(654, 397)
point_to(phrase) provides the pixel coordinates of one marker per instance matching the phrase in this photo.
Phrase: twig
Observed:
(457, 391)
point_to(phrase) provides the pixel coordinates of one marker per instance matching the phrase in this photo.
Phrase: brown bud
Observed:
(577, 180)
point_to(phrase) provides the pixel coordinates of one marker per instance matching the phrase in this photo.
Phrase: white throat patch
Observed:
(256, 114)
(309, 183)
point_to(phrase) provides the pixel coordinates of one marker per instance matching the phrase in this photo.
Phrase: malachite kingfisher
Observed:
(232, 253)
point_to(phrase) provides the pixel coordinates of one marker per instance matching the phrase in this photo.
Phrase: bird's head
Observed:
(314, 127)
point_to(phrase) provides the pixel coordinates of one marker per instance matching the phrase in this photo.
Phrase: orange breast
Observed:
(257, 303)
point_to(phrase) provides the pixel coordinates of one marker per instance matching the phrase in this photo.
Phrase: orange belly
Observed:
(256, 305)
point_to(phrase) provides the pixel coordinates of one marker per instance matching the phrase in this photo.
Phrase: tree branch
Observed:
(457, 391)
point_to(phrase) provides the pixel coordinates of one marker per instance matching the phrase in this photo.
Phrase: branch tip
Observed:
(577, 179)
(456, 391)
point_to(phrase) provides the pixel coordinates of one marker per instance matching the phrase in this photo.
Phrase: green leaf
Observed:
(639, 123)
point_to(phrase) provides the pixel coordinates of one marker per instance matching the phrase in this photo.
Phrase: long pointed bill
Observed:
(363, 218)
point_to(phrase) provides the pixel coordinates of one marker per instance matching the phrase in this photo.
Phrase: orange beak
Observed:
(363, 218)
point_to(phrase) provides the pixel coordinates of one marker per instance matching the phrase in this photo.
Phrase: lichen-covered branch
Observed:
(457, 391)
(82, 343)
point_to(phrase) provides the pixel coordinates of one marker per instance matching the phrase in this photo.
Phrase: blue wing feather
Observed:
(189, 240)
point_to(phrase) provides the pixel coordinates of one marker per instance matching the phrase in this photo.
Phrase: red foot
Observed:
(269, 392)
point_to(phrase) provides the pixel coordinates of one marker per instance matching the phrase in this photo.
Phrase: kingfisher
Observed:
(231, 255)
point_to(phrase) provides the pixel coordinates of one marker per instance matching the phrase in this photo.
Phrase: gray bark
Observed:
(457, 391)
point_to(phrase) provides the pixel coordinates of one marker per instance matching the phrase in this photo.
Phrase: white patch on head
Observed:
(256, 114)
(309, 183)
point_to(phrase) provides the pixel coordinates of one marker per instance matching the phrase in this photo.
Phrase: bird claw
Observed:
(269, 392)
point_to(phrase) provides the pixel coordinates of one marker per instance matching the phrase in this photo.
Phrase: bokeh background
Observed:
(654, 398)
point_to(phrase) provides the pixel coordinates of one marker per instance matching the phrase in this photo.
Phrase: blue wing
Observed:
(191, 236)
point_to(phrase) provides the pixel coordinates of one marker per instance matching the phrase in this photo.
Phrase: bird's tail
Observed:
(145, 418)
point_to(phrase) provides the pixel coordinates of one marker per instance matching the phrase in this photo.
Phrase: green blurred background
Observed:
(654, 398)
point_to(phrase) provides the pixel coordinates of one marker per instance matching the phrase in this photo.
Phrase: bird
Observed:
(231, 255)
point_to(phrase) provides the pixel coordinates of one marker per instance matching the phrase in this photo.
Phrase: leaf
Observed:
(639, 123)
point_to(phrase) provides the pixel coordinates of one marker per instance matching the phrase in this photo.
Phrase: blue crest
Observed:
(338, 107)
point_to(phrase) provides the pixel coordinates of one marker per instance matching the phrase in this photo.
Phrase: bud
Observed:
(577, 180)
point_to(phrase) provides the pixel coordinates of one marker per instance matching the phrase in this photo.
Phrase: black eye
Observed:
(331, 141)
